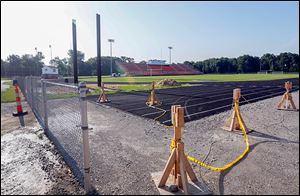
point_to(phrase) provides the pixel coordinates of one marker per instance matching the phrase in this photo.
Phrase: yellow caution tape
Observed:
(236, 108)
(156, 118)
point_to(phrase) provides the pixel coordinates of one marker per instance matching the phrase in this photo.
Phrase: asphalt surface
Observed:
(206, 99)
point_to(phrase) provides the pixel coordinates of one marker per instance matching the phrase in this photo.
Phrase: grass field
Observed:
(193, 78)
(9, 94)
(127, 88)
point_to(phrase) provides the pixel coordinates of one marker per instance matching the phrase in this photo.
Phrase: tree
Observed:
(288, 61)
(14, 65)
(143, 62)
(4, 68)
(295, 63)
(267, 61)
(248, 64)
(125, 59)
(64, 68)
(80, 61)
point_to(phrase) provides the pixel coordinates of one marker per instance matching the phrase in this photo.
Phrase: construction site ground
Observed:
(127, 149)
(30, 163)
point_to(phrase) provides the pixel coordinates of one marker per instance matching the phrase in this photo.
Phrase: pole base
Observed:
(237, 131)
(20, 114)
(288, 109)
(106, 101)
(195, 188)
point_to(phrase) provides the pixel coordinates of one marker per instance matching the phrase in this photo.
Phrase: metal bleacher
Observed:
(138, 69)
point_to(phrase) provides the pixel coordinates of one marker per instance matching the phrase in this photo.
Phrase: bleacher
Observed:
(137, 69)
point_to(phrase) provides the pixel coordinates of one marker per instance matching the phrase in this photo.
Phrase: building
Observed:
(156, 62)
(50, 72)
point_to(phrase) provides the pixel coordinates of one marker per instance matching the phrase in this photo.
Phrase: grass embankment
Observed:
(194, 78)
(9, 94)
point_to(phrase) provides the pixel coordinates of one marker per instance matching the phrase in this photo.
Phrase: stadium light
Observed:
(111, 41)
(170, 47)
(50, 52)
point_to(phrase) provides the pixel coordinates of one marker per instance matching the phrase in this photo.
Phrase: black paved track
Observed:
(206, 99)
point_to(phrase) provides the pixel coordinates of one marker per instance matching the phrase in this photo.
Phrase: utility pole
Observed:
(111, 41)
(75, 51)
(98, 50)
(50, 52)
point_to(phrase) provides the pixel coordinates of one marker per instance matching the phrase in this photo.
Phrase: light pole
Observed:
(50, 52)
(111, 41)
(37, 55)
(260, 67)
(170, 47)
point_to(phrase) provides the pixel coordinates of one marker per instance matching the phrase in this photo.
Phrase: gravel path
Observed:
(126, 149)
(30, 163)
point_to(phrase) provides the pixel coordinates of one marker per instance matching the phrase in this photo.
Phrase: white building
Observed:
(49, 72)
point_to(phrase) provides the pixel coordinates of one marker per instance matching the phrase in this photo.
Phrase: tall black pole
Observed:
(98, 50)
(75, 52)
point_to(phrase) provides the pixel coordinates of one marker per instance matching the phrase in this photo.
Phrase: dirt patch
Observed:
(10, 123)
(168, 82)
(107, 87)
(30, 163)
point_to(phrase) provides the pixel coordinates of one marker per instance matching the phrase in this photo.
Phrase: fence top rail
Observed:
(60, 84)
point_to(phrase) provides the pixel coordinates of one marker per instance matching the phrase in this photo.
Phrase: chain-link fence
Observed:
(61, 111)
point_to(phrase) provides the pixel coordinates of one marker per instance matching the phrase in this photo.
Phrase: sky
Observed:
(144, 30)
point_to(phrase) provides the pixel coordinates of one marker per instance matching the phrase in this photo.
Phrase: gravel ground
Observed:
(30, 163)
(126, 149)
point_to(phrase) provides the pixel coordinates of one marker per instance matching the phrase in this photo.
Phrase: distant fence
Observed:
(62, 111)
(275, 72)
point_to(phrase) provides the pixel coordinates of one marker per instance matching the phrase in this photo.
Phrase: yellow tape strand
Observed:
(156, 118)
(236, 108)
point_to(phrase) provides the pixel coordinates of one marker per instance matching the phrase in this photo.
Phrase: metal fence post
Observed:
(31, 93)
(84, 127)
(44, 100)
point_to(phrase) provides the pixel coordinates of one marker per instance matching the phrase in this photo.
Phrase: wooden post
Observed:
(178, 163)
(102, 98)
(232, 123)
(286, 102)
(152, 100)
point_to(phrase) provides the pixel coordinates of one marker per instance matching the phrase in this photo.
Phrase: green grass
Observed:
(194, 78)
(130, 88)
(9, 94)
(62, 96)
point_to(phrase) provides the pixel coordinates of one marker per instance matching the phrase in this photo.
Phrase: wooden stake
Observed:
(286, 102)
(152, 100)
(232, 123)
(102, 98)
(180, 166)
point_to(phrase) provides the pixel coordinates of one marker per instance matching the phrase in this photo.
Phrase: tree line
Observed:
(27, 64)
(286, 62)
